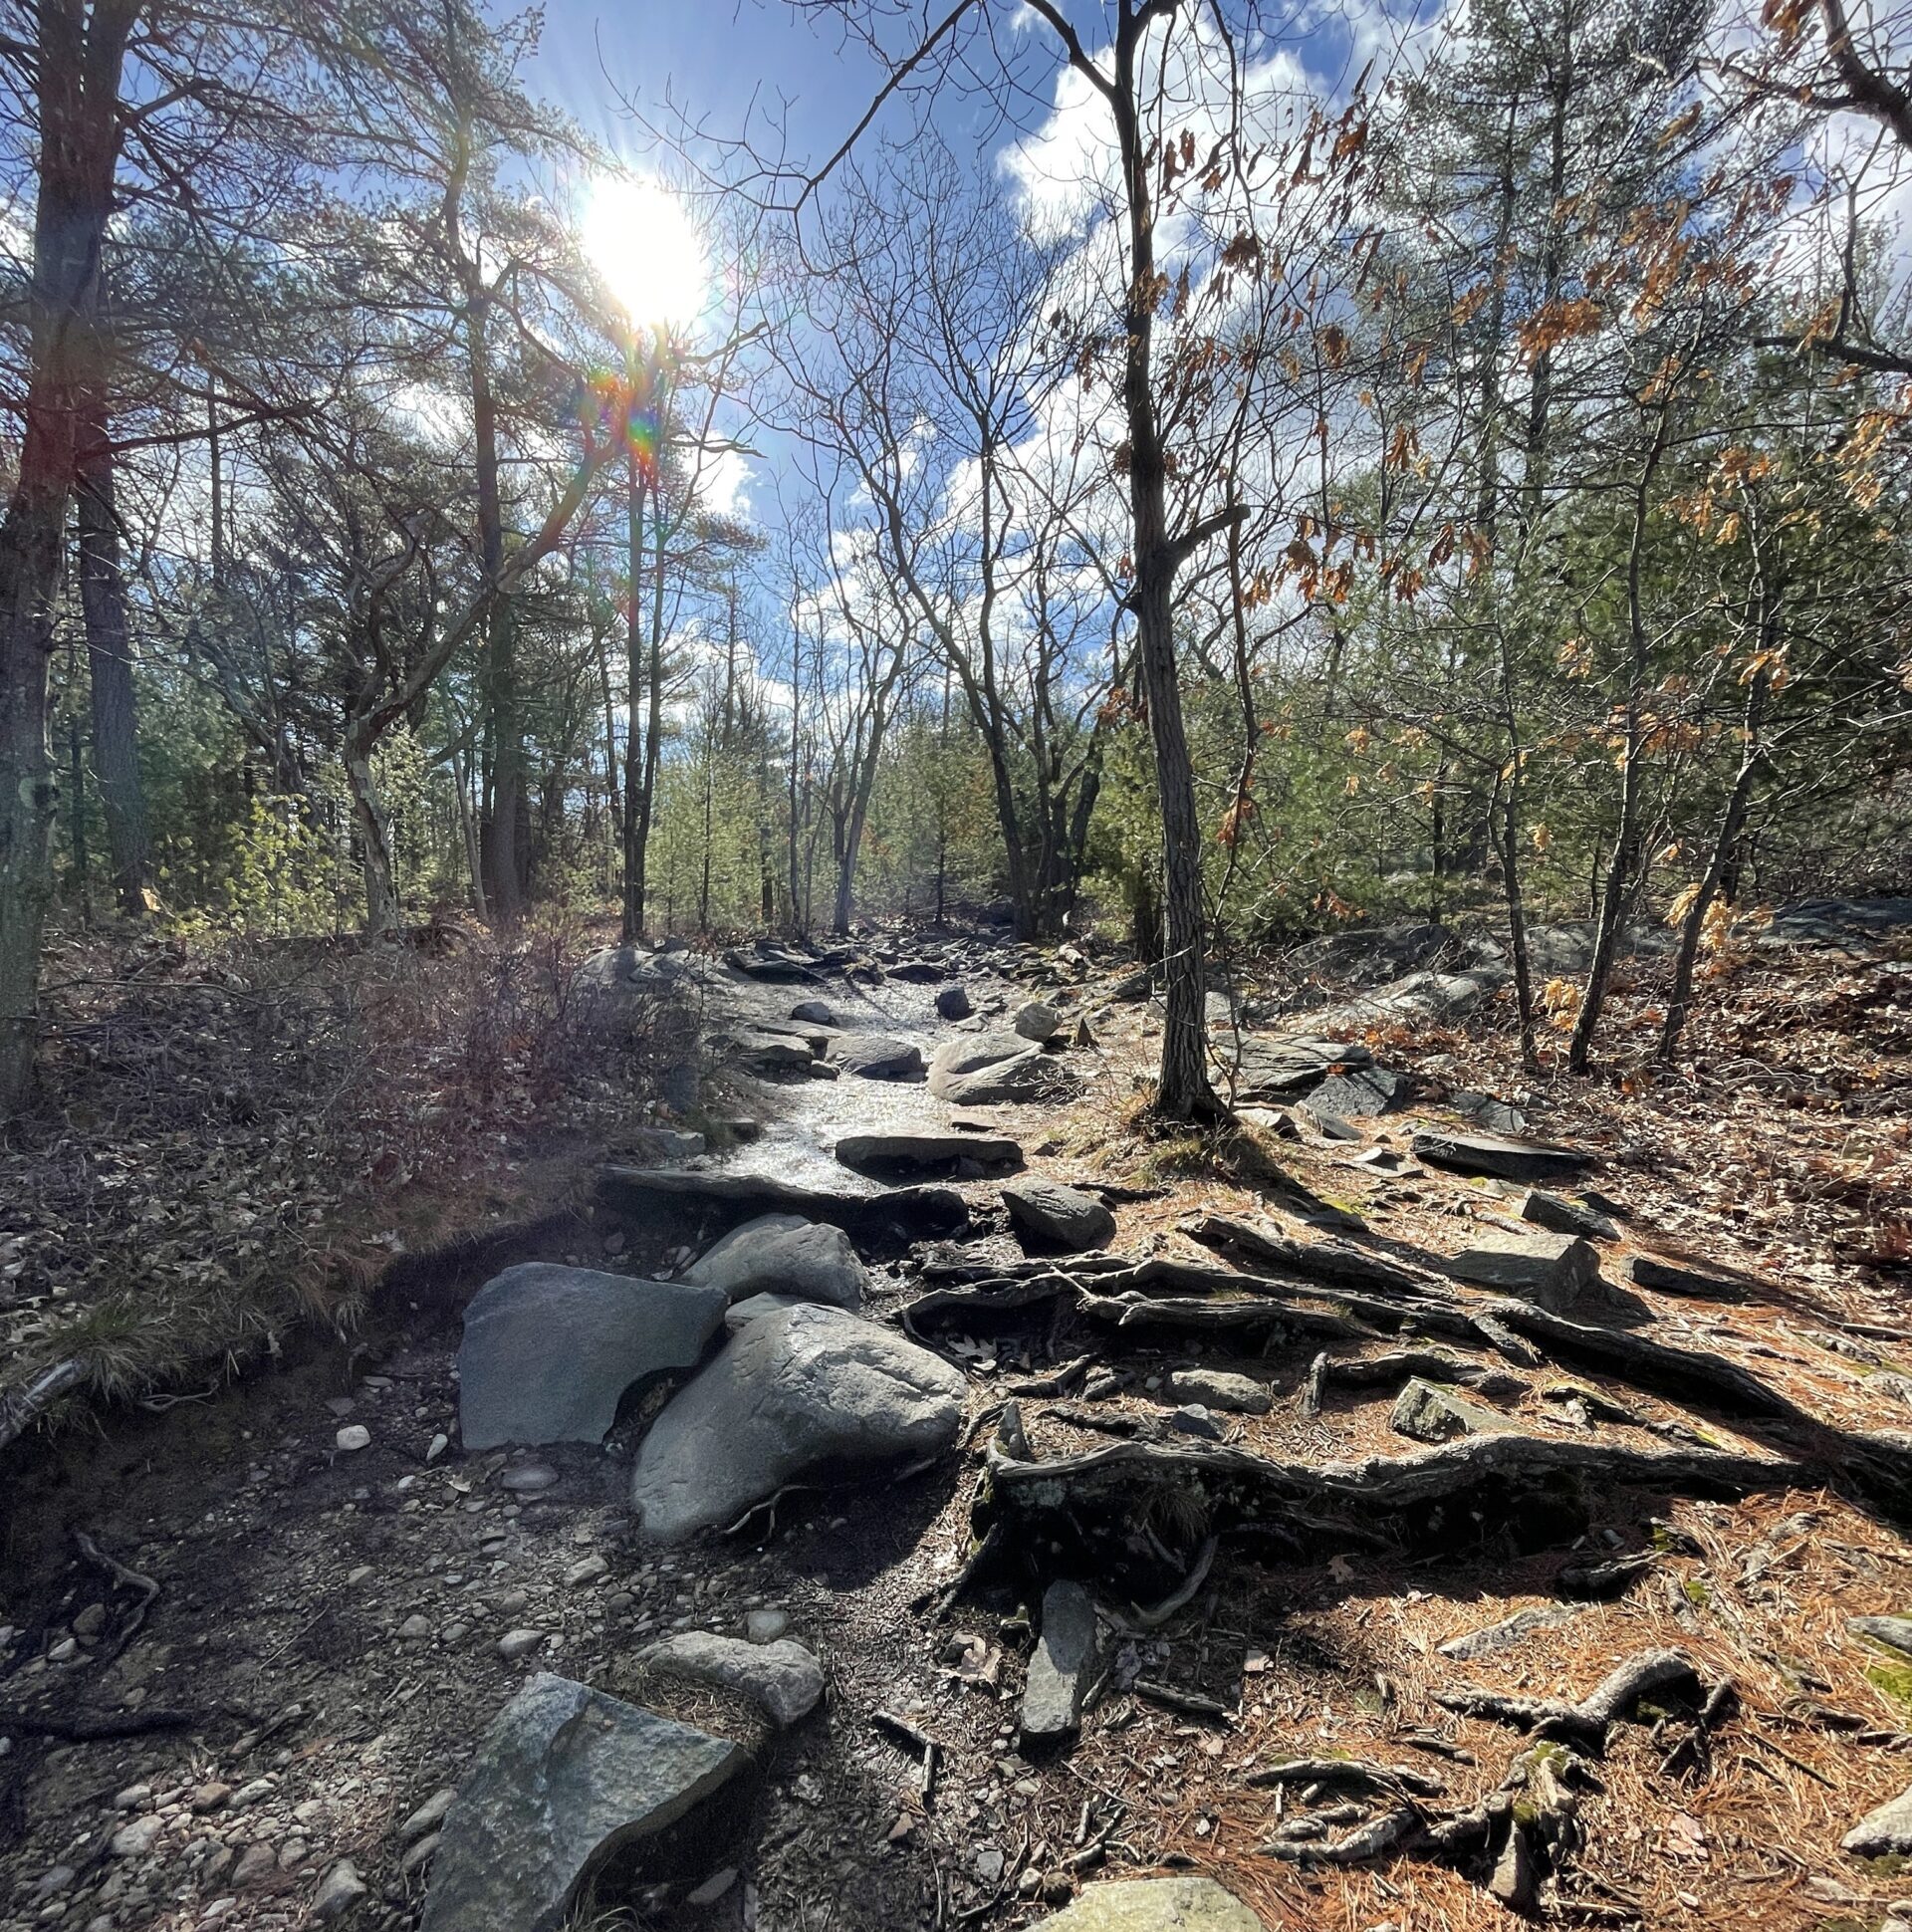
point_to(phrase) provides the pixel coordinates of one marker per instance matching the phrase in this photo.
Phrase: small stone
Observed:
(134, 1840)
(528, 1478)
(953, 1003)
(586, 1571)
(1153, 1905)
(437, 1446)
(257, 1863)
(338, 1891)
(428, 1815)
(133, 1799)
(1061, 1670)
(63, 1651)
(1194, 1420)
(88, 1625)
(714, 1888)
(519, 1643)
(1428, 1412)
(252, 1793)
(782, 1678)
(54, 1880)
(1037, 1021)
(1216, 1389)
(1884, 1832)
(416, 1627)
(766, 1626)
(209, 1797)
(353, 1436)
(420, 1854)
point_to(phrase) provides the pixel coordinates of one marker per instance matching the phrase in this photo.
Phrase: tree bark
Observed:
(115, 735)
(374, 828)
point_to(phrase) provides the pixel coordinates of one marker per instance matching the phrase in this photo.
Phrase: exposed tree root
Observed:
(1385, 1371)
(1338, 1264)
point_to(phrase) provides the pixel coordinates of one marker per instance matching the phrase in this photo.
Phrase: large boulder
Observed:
(783, 1679)
(874, 1057)
(1360, 1094)
(800, 1392)
(1153, 1905)
(987, 1068)
(783, 1254)
(549, 1352)
(565, 1779)
(1554, 1270)
(1061, 1217)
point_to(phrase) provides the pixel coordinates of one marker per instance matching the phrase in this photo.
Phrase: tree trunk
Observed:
(77, 61)
(116, 744)
(375, 838)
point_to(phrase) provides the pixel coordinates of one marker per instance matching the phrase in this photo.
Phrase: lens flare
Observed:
(647, 250)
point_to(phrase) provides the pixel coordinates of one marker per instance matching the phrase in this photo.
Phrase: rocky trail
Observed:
(910, 1501)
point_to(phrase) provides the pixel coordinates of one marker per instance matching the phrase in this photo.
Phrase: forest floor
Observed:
(326, 1624)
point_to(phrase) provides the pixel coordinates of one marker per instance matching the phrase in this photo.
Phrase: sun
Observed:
(646, 249)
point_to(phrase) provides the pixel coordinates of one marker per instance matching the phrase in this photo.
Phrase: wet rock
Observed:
(874, 1057)
(1036, 1020)
(549, 1352)
(1554, 1270)
(782, 1678)
(953, 1003)
(1561, 1216)
(1885, 1832)
(1429, 1413)
(565, 1776)
(1501, 1157)
(338, 1891)
(1065, 1217)
(783, 1254)
(1153, 1905)
(794, 1392)
(814, 1012)
(926, 1154)
(1062, 1670)
(1217, 1388)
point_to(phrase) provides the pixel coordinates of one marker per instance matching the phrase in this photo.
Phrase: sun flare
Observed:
(646, 249)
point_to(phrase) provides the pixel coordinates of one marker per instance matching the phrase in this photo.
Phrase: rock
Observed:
(1554, 1270)
(1063, 1216)
(1561, 1216)
(873, 1057)
(782, 1678)
(437, 1446)
(814, 1012)
(1280, 1068)
(338, 1891)
(1496, 1116)
(713, 1889)
(985, 1068)
(565, 1778)
(257, 1864)
(953, 1003)
(794, 1392)
(549, 1352)
(1153, 1905)
(1063, 1669)
(1430, 1413)
(134, 1840)
(1036, 1020)
(585, 1571)
(783, 1254)
(741, 1313)
(416, 1628)
(528, 1478)
(428, 1815)
(1195, 1420)
(1510, 1630)
(926, 1154)
(1667, 1277)
(916, 972)
(764, 1052)
(1133, 986)
(519, 1643)
(1216, 1389)
(771, 966)
(353, 1437)
(91, 1624)
(766, 1626)
(1895, 1633)
(1885, 1832)
(1360, 1094)
(1501, 1158)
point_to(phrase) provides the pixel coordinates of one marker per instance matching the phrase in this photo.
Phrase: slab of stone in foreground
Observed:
(1062, 1670)
(1554, 1270)
(1154, 1905)
(926, 1154)
(782, 1678)
(1501, 1157)
(565, 1778)
(549, 1352)
(794, 1393)
(784, 1254)
(1065, 1217)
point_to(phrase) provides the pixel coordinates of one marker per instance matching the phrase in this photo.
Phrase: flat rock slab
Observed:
(782, 1678)
(874, 1056)
(983, 1069)
(549, 1352)
(783, 1254)
(772, 968)
(1281, 1067)
(1063, 1217)
(926, 1154)
(1501, 1157)
(1361, 1094)
(1554, 1270)
(918, 1212)
(794, 1393)
(1883, 1833)
(1062, 1668)
(1561, 1216)
(565, 1778)
(1153, 1905)
(1427, 1412)
(814, 1012)
(1669, 1278)
(1217, 1388)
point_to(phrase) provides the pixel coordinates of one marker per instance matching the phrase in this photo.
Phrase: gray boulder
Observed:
(1561, 1216)
(1153, 1905)
(987, 1068)
(926, 1154)
(1036, 1020)
(549, 1352)
(565, 1778)
(953, 1003)
(1278, 1068)
(1499, 1157)
(1428, 1412)
(1554, 1270)
(794, 1394)
(783, 1254)
(741, 1313)
(874, 1057)
(783, 1679)
(765, 1052)
(1216, 1389)
(1885, 1833)
(1061, 1216)
(814, 1012)
(1062, 1670)
(1360, 1094)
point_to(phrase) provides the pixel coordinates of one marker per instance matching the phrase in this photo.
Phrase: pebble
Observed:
(209, 1797)
(519, 1643)
(257, 1863)
(766, 1626)
(353, 1436)
(416, 1627)
(56, 1879)
(89, 1624)
(251, 1794)
(430, 1815)
(528, 1478)
(1195, 1420)
(134, 1840)
(131, 1798)
(338, 1891)
(420, 1854)
(586, 1571)
(63, 1651)
(437, 1447)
